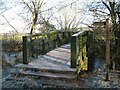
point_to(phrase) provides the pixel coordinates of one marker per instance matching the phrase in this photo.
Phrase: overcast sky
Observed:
(12, 14)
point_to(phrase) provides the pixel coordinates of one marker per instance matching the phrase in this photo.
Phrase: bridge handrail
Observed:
(78, 33)
(39, 43)
(79, 58)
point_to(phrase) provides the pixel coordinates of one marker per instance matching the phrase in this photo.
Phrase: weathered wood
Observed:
(80, 52)
(43, 46)
(73, 52)
(89, 55)
(54, 62)
(44, 42)
(25, 49)
(85, 58)
(79, 57)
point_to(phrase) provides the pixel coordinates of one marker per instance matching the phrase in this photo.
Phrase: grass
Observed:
(11, 41)
(11, 36)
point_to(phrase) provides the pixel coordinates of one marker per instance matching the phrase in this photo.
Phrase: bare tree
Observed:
(3, 9)
(112, 7)
(34, 7)
(118, 11)
(113, 11)
(8, 22)
(69, 16)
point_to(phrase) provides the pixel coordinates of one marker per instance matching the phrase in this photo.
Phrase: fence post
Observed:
(73, 52)
(25, 49)
(43, 46)
(57, 44)
(69, 36)
(90, 54)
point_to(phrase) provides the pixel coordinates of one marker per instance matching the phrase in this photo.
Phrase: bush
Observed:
(11, 45)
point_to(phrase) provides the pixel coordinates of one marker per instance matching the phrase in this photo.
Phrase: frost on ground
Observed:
(94, 79)
(97, 80)
(85, 80)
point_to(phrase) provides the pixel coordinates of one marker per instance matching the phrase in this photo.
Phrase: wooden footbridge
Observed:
(60, 55)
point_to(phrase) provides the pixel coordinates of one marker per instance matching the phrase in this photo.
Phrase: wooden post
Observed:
(68, 36)
(107, 49)
(73, 52)
(43, 46)
(90, 56)
(48, 42)
(1, 56)
(25, 49)
(56, 40)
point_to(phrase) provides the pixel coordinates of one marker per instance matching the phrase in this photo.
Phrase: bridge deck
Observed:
(57, 59)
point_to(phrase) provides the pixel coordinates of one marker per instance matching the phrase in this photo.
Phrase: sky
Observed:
(12, 17)
(19, 24)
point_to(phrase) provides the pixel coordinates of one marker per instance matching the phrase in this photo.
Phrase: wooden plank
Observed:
(25, 49)
(43, 46)
(56, 38)
(46, 75)
(47, 69)
(78, 51)
(73, 52)
(88, 45)
(79, 59)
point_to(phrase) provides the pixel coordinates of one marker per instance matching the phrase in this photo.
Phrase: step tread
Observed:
(71, 71)
(46, 74)
(44, 81)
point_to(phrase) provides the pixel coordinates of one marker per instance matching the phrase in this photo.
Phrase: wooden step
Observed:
(46, 81)
(45, 75)
(36, 69)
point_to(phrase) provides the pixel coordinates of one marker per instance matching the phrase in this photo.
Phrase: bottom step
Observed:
(45, 75)
(41, 82)
(46, 69)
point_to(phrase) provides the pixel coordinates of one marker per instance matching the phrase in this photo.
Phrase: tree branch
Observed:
(27, 6)
(9, 23)
(106, 6)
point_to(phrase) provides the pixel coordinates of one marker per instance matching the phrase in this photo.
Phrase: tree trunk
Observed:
(107, 49)
(34, 21)
(116, 30)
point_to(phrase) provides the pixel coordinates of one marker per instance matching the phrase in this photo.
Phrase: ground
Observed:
(85, 80)
(93, 79)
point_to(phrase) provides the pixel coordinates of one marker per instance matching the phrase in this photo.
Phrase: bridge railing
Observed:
(39, 44)
(79, 57)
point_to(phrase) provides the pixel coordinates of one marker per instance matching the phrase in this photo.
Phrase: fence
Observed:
(38, 44)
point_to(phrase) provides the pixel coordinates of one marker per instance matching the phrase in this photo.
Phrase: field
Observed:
(11, 41)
